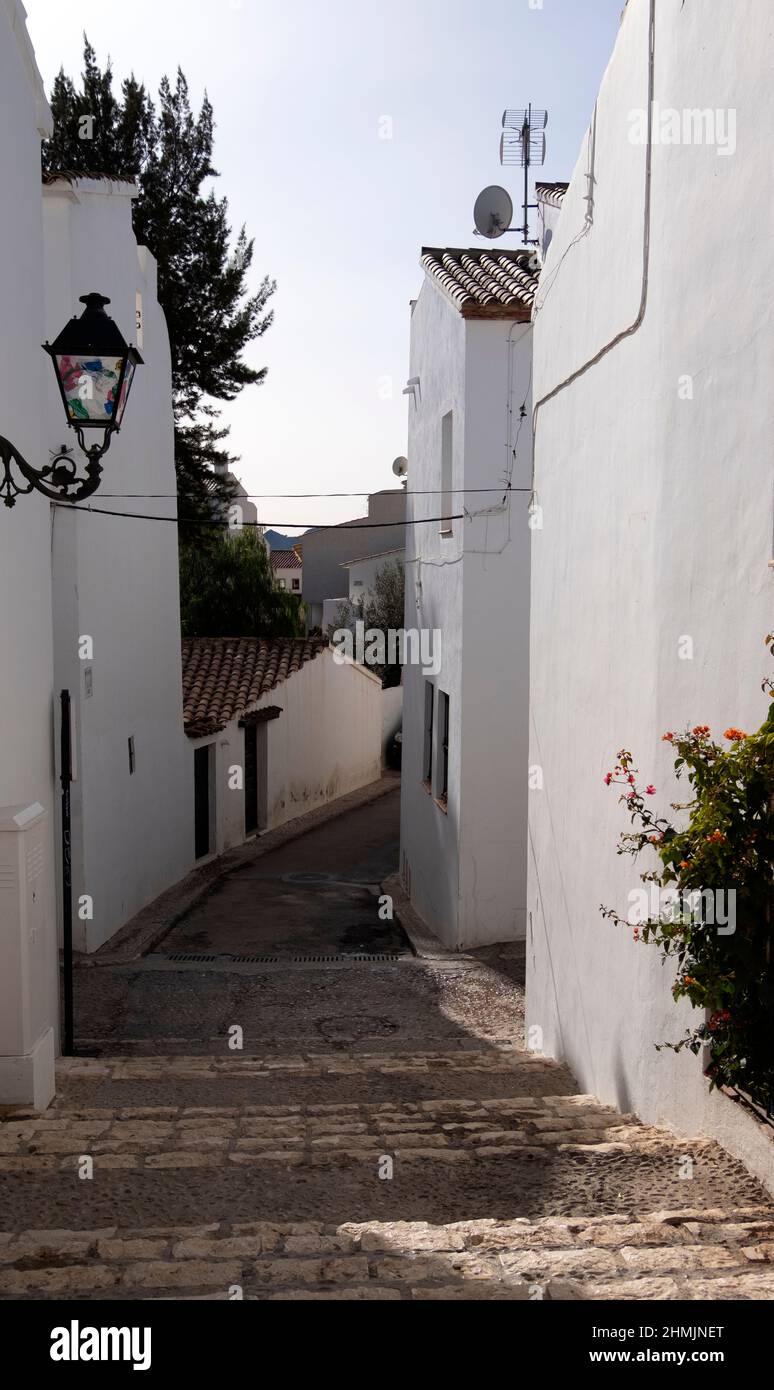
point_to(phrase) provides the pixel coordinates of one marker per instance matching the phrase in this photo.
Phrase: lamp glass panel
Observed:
(89, 385)
(125, 388)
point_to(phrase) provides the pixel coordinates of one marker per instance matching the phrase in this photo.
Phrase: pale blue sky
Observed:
(339, 215)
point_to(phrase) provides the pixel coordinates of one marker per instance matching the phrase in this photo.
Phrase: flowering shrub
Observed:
(726, 847)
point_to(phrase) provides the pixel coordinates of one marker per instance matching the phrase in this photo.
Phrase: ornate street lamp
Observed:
(94, 367)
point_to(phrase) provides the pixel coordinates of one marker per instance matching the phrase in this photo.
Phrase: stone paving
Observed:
(382, 1135)
(215, 1201)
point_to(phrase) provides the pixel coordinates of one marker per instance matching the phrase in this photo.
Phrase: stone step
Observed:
(448, 1131)
(694, 1254)
(307, 1078)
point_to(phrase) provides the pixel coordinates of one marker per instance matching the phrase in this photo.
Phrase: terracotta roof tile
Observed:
(284, 560)
(484, 283)
(552, 193)
(224, 676)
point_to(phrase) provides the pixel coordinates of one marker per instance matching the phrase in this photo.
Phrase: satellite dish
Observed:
(400, 467)
(493, 212)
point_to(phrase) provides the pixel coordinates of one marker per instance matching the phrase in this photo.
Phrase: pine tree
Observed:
(202, 273)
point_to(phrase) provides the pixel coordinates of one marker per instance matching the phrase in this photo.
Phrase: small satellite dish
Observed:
(493, 212)
(400, 467)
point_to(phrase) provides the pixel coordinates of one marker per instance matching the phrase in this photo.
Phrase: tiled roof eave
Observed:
(482, 282)
(516, 313)
(226, 678)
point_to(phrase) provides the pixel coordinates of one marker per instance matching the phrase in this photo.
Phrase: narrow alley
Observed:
(381, 1133)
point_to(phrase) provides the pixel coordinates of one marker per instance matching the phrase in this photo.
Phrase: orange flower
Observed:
(717, 837)
(701, 730)
(667, 738)
(684, 864)
(735, 735)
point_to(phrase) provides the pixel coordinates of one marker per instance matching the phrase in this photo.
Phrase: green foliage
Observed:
(726, 846)
(202, 276)
(227, 589)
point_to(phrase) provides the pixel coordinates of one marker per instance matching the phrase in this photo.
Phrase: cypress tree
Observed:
(202, 270)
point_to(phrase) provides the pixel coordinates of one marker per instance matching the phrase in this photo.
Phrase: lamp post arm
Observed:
(59, 481)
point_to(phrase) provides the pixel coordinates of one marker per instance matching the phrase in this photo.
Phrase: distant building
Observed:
(324, 551)
(277, 729)
(363, 571)
(287, 570)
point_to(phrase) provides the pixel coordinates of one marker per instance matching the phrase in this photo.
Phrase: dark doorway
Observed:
(202, 800)
(251, 779)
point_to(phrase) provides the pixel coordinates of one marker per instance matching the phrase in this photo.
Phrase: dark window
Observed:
(132, 761)
(296, 583)
(447, 457)
(427, 771)
(202, 800)
(444, 787)
(251, 779)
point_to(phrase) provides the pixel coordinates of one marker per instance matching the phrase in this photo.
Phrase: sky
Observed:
(349, 133)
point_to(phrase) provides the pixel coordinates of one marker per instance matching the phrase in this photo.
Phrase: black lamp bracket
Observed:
(59, 480)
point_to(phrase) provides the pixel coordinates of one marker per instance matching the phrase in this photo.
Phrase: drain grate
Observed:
(191, 960)
(360, 958)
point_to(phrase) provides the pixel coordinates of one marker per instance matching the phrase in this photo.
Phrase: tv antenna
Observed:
(493, 212)
(523, 142)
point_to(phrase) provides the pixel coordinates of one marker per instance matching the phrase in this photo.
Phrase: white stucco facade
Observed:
(653, 471)
(324, 742)
(115, 585)
(464, 862)
(361, 573)
(28, 962)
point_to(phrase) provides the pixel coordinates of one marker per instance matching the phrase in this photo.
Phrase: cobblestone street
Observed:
(382, 1133)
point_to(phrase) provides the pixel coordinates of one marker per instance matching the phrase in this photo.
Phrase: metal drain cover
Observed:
(341, 958)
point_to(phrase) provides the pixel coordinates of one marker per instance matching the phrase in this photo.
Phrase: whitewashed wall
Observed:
(28, 969)
(360, 574)
(429, 838)
(465, 868)
(116, 581)
(326, 742)
(657, 525)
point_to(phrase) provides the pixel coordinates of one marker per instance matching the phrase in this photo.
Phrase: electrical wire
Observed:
(309, 496)
(309, 526)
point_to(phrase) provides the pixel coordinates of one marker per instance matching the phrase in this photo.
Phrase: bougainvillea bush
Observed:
(724, 958)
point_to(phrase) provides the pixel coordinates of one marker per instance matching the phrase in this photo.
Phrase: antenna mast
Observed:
(523, 142)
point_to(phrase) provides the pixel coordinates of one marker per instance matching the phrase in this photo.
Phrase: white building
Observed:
(115, 584)
(654, 357)
(325, 550)
(550, 197)
(28, 957)
(363, 571)
(465, 739)
(287, 571)
(278, 728)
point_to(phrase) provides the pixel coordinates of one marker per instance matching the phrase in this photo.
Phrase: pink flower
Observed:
(630, 795)
(650, 791)
(608, 779)
(630, 778)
